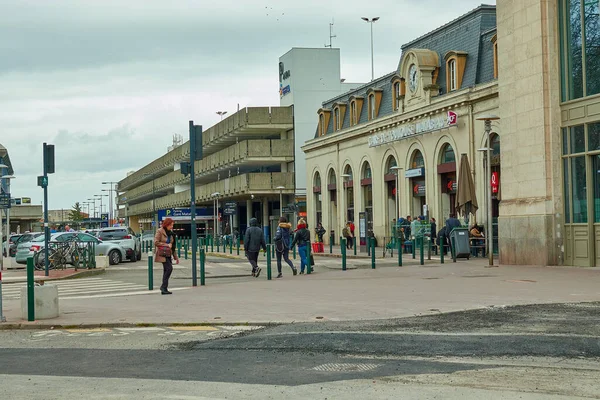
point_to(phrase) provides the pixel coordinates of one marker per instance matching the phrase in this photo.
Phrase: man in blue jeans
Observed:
(254, 240)
(302, 239)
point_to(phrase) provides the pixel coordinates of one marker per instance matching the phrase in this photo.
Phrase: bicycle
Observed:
(59, 255)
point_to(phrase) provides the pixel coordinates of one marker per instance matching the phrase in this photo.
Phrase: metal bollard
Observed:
(202, 262)
(218, 245)
(330, 244)
(185, 249)
(422, 250)
(294, 252)
(414, 247)
(212, 244)
(2, 318)
(343, 254)
(399, 242)
(30, 290)
(269, 261)
(354, 244)
(428, 247)
(238, 245)
(372, 244)
(442, 248)
(150, 272)
(230, 245)
(308, 266)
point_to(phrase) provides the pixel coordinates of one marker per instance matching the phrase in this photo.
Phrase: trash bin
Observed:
(332, 237)
(459, 242)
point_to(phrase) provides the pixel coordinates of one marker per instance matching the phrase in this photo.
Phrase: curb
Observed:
(76, 275)
(47, 326)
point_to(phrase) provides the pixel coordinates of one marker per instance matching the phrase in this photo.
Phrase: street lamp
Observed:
(487, 119)
(216, 212)
(280, 199)
(110, 197)
(397, 169)
(94, 205)
(221, 114)
(371, 21)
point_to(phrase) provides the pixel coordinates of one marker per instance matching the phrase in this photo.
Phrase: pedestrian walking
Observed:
(302, 239)
(164, 244)
(254, 240)
(282, 245)
(320, 231)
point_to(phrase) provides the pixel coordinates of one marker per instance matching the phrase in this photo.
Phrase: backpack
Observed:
(346, 232)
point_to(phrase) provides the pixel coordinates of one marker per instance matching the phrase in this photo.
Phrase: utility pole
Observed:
(331, 35)
(48, 160)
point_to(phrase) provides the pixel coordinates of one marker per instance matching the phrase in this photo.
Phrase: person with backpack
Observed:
(282, 245)
(347, 234)
(254, 240)
(302, 238)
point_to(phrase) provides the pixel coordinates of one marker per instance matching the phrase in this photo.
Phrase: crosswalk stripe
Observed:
(80, 287)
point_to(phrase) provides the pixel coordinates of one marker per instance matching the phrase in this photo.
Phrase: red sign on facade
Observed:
(495, 182)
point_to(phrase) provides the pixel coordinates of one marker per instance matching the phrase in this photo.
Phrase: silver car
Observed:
(124, 237)
(114, 252)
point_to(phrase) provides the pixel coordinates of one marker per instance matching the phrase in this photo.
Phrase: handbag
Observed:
(164, 251)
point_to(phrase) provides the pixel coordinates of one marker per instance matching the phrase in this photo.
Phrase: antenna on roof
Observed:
(331, 35)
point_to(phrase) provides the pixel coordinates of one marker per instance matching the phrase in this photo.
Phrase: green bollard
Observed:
(30, 291)
(185, 249)
(308, 266)
(341, 239)
(422, 250)
(178, 249)
(330, 244)
(230, 245)
(273, 250)
(269, 261)
(429, 247)
(150, 272)
(354, 244)
(399, 242)
(414, 247)
(343, 255)
(372, 244)
(212, 244)
(143, 246)
(238, 245)
(218, 245)
(442, 248)
(202, 262)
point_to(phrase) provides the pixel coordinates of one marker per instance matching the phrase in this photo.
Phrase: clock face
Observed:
(412, 78)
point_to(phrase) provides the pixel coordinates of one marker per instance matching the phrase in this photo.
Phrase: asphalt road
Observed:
(529, 352)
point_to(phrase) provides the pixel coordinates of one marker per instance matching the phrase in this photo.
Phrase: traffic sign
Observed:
(288, 210)
(104, 216)
(4, 200)
(230, 208)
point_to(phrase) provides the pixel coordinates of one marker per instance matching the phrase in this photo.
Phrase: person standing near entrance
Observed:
(164, 252)
(302, 238)
(254, 240)
(282, 245)
(347, 235)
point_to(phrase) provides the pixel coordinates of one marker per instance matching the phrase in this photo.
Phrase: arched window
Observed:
(317, 180)
(322, 128)
(448, 155)
(417, 160)
(391, 162)
(353, 113)
(366, 171)
(348, 171)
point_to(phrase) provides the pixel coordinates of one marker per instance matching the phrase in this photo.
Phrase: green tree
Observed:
(75, 214)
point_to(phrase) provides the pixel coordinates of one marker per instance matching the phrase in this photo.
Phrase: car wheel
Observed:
(138, 256)
(114, 257)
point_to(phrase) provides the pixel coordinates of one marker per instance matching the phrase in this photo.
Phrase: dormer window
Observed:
(455, 69)
(374, 97)
(495, 46)
(339, 113)
(372, 109)
(356, 103)
(451, 75)
(324, 116)
(397, 95)
(398, 92)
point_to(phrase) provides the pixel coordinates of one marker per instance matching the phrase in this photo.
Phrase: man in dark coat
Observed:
(254, 240)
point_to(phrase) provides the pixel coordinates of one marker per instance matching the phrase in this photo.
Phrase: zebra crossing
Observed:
(84, 288)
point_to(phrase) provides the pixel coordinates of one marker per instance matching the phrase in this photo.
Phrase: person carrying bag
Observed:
(164, 243)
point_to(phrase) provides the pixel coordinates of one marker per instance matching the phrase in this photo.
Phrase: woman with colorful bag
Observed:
(164, 252)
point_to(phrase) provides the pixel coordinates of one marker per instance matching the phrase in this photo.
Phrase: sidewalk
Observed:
(328, 294)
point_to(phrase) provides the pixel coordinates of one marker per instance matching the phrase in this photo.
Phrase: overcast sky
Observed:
(110, 81)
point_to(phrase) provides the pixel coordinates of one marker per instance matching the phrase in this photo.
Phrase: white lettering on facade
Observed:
(428, 125)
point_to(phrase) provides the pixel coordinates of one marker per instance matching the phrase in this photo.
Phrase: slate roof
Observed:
(470, 33)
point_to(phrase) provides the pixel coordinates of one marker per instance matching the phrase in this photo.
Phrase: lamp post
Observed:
(221, 114)
(487, 119)
(371, 21)
(397, 169)
(93, 209)
(110, 198)
(280, 199)
(5, 179)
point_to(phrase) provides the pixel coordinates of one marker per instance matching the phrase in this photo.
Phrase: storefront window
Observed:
(579, 189)
(592, 46)
(594, 136)
(448, 155)
(596, 172)
(577, 139)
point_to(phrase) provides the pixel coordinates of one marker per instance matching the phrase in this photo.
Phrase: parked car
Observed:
(124, 237)
(11, 245)
(114, 252)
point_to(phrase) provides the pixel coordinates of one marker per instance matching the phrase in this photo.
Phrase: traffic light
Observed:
(42, 181)
(48, 158)
(185, 168)
(198, 147)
